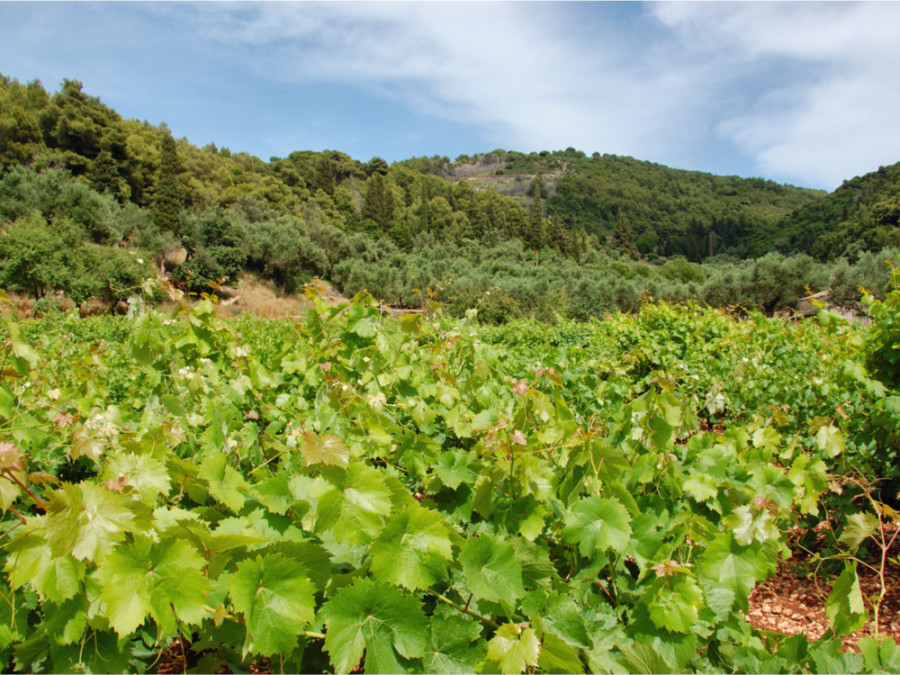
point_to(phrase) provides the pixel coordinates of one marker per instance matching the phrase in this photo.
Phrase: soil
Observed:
(793, 600)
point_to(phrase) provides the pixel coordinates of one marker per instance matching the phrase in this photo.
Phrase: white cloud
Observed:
(516, 68)
(836, 115)
(805, 90)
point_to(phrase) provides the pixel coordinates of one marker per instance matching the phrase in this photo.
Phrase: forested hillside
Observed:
(92, 204)
(861, 215)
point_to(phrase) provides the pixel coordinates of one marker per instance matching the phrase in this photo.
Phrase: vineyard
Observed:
(351, 492)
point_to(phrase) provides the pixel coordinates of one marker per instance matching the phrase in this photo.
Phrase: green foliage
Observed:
(424, 494)
(882, 353)
(432, 222)
(861, 215)
(168, 199)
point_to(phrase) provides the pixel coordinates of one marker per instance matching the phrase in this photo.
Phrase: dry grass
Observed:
(262, 299)
(259, 298)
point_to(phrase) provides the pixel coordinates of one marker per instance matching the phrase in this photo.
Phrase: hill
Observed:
(91, 204)
(670, 212)
(862, 214)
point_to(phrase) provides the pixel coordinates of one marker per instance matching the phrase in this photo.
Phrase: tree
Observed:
(104, 176)
(557, 236)
(168, 201)
(379, 204)
(534, 234)
(325, 175)
(622, 239)
(376, 165)
(36, 257)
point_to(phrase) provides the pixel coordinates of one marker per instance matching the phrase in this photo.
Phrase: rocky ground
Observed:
(793, 600)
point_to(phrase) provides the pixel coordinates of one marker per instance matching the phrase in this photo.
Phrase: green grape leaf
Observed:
(491, 569)
(277, 600)
(830, 440)
(558, 614)
(859, 527)
(598, 524)
(558, 656)
(641, 657)
(173, 404)
(226, 484)
(413, 550)
(735, 567)
(328, 450)
(880, 657)
(675, 603)
(86, 520)
(30, 560)
(275, 493)
(701, 486)
(9, 493)
(514, 649)
(844, 606)
(24, 357)
(165, 580)
(456, 645)
(355, 508)
(141, 473)
(374, 618)
(67, 622)
(453, 469)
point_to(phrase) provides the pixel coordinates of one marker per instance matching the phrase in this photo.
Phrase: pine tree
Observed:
(103, 173)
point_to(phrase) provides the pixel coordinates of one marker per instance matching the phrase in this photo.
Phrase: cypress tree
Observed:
(168, 200)
(325, 175)
(535, 234)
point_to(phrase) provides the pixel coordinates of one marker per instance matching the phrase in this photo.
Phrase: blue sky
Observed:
(802, 93)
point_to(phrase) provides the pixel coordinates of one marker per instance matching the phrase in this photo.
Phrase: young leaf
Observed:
(830, 441)
(277, 600)
(226, 485)
(514, 649)
(701, 486)
(598, 524)
(676, 603)
(558, 656)
(30, 560)
(142, 473)
(860, 526)
(491, 569)
(327, 450)
(86, 520)
(377, 619)
(164, 580)
(413, 550)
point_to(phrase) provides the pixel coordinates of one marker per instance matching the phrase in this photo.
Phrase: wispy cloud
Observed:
(525, 71)
(800, 92)
(832, 107)
(807, 91)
